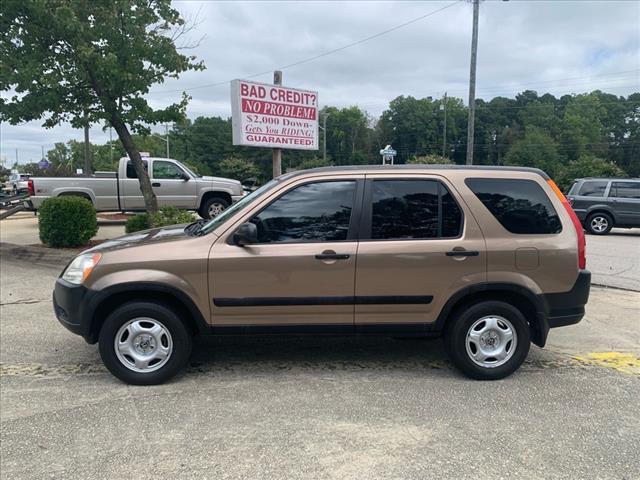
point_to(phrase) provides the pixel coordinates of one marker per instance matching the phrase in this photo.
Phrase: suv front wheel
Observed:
(144, 343)
(488, 341)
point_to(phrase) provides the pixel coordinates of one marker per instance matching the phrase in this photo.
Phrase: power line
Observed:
(324, 54)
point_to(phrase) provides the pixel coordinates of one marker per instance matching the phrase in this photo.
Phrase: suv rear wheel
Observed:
(488, 340)
(212, 207)
(144, 343)
(599, 223)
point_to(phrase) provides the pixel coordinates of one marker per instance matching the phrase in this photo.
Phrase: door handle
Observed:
(462, 253)
(332, 256)
(155, 184)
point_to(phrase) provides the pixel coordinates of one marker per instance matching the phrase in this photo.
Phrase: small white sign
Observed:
(272, 116)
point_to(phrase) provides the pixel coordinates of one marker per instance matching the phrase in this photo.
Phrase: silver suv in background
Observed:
(604, 203)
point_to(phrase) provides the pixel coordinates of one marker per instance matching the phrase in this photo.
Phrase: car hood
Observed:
(219, 179)
(172, 233)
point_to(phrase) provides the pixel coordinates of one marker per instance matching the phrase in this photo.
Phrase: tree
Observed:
(430, 160)
(537, 149)
(238, 168)
(66, 59)
(587, 165)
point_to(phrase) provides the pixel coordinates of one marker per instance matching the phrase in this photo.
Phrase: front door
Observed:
(418, 245)
(171, 188)
(301, 270)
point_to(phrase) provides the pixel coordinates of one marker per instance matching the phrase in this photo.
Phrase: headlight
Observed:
(81, 267)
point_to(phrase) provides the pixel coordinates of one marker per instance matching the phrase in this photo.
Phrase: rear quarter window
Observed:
(521, 206)
(593, 188)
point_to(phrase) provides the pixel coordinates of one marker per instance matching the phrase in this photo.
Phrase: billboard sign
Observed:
(273, 116)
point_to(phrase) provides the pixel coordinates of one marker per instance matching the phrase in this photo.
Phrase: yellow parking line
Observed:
(622, 362)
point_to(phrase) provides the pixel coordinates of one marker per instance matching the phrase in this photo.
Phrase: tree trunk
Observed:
(87, 147)
(150, 201)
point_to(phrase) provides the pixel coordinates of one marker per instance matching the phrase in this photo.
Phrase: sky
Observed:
(556, 46)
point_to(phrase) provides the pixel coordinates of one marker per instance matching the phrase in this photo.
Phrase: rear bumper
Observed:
(562, 309)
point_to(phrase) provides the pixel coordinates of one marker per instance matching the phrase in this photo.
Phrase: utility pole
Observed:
(472, 83)
(87, 158)
(277, 152)
(110, 145)
(444, 129)
(324, 139)
(166, 134)
(42, 148)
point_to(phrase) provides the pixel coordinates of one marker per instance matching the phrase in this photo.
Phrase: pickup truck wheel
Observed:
(599, 223)
(144, 343)
(213, 206)
(488, 340)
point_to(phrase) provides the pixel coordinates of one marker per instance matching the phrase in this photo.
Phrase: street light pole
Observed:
(472, 83)
(166, 134)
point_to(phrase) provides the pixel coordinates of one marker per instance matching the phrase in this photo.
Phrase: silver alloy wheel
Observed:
(143, 345)
(599, 224)
(215, 209)
(491, 341)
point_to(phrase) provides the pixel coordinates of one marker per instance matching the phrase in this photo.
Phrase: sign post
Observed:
(388, 155)
(274, 116)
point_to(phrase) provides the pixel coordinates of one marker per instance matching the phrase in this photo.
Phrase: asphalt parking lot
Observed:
(323, 407)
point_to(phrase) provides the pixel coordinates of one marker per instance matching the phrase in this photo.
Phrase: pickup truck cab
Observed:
(173, 183)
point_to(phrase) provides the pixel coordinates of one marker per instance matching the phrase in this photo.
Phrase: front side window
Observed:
(167, 171)
(413, 209)
(521, 206)
(593, 188)
(314, 212)
(625, 190)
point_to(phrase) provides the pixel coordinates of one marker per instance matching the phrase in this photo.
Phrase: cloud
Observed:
(556, 46)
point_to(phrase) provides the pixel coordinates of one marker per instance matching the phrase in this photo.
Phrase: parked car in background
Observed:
(17, 183)
(489, 257)
(604, 203)
(173, 183)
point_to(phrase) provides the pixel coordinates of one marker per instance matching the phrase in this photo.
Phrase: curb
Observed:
(38, 255)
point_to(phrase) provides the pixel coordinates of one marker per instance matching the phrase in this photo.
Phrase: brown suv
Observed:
(488, 257)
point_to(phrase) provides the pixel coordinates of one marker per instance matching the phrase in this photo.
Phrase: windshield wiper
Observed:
(195, 227)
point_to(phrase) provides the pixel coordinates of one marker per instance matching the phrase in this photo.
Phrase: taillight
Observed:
(582, 243)
(30, 187)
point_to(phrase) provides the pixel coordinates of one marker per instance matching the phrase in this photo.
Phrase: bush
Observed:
(166, 216)
(67, 222)
(587, 165)
(137, 223)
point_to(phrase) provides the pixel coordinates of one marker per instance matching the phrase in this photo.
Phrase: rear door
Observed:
(169, 185)
(419, 244)
(130, 194)
(625, 197)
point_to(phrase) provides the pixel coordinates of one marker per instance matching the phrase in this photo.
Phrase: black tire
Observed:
(210, 202)
(456, 339)
(599, 223)
(181, 340)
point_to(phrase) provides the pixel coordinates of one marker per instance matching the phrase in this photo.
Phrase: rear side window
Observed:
(413, 209)
(521, 206)
(593, 188)
(131, 172)
(625, 190)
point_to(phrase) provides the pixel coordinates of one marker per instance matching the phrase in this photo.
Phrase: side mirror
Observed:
(185, 177)
(246, 234)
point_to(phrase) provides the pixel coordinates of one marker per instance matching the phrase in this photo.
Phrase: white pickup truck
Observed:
(173, 183)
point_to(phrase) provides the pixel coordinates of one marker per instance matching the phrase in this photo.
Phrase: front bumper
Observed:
(69, 301)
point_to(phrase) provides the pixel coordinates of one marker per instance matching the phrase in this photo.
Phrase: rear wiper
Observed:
(194, 228)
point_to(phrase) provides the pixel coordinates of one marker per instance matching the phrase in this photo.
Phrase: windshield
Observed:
(191, 172)
(236, 207)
